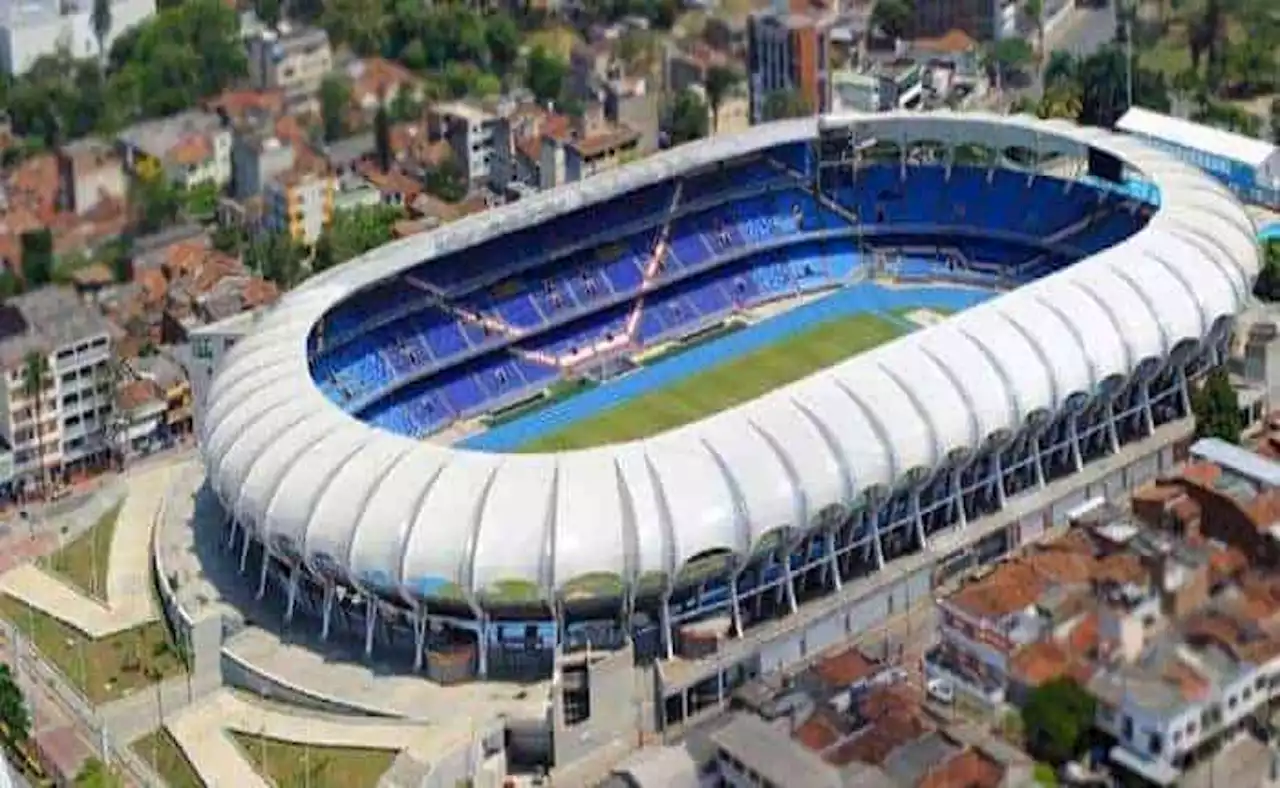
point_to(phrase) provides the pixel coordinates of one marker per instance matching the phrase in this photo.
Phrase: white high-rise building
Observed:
(31, 29)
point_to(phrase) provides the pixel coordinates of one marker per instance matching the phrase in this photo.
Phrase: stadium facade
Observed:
(1093, 343)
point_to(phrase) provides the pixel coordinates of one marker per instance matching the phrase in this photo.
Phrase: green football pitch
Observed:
(733, 382)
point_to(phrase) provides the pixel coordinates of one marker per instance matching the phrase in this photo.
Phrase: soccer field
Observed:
(735, 381)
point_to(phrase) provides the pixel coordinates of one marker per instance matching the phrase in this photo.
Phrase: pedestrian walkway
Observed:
(128, 601)
(202, 729)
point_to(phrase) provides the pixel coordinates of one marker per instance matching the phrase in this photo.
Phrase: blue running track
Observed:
(857, 299)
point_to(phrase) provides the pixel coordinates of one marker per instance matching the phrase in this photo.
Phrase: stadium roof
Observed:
(380, 509)
(1196, 136)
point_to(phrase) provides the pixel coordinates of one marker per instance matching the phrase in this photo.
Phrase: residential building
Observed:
(36, 194)
(256, 160)
(881, 87)
(1228, 494)
(190, 148)
(300, 202)
(470, 131)
(139, 418)
(630, 102)
(789, 50)
(31, 29)
(90, 172)
(163, 370)
(205, 349)
(291, 59)
(65, 427)
(377, 81)
(354, 192)
(584, 146)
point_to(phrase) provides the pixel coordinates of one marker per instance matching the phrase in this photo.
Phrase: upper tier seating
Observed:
(391, 355)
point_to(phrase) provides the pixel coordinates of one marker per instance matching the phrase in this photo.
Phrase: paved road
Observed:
(1083, 32)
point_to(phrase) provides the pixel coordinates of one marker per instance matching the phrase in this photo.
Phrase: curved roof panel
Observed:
(403, 517)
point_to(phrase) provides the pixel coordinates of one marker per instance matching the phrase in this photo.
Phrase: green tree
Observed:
(354, 232)
(688, 118)
(10, 285)
(719, 82)
(14, 715)
(1033, 10)
(37, 257)
(100, 21)
(276, 257)
(155, 203)
(360, 24)
(1216, 408)
(335, 99)
(1011, 56)
(1057, 717)
(893, 17)
(447, 180)
(96, 774)
(1060, 70)
(268, 12)
(503, 40)
(36, 380)
(545, 74)
(781, 104)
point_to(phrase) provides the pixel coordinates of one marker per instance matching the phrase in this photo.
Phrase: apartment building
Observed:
(300, 202)
(471, 132)
(789, 49)
(584, 146)
(291, 59)
(90, 172)
(190, 148)
(68, 425)
(31, 29)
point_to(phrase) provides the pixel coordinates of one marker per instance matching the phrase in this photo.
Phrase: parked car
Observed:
(941, 690)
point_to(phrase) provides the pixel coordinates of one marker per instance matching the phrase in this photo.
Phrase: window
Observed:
(1126, 729)
(1155, 744)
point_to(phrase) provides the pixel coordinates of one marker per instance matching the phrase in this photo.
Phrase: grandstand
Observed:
(794, 432)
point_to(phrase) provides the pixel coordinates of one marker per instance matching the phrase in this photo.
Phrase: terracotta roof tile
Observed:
(846, 668)
(191, 150)
(818, 732)
(136, 393)
(375, 77)
(969, 769)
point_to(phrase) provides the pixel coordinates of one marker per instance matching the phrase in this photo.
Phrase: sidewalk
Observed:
(201, 731)
(129, 603)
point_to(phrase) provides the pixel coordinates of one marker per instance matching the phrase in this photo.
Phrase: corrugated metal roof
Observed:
(1227, 144)
(1242, 462)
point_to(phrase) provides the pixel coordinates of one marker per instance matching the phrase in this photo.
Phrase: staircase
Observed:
(822, 198)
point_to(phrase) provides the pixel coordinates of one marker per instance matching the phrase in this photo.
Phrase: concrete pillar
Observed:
(664, 622)
(735, 611)
(419, 638)
(370, 621)
(244, 552)
(877, 539)
(482, 647)
(1076, 458)
(326, 614)
(1148, 417)
(292, 595)
(918, 518)
(1112, 435)
(998, 470)
(833, 564)
(262, 576)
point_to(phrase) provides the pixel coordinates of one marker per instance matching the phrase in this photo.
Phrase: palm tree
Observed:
(101, 21)
(1034, 9)
(35, 379)
(720, 80)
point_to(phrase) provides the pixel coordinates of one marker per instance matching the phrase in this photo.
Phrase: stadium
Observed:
(716, 383)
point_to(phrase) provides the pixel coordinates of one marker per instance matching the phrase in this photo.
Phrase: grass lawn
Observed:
(167, 759)
(83, 563)
(103, 669)
(731, 383)
(286, 764)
